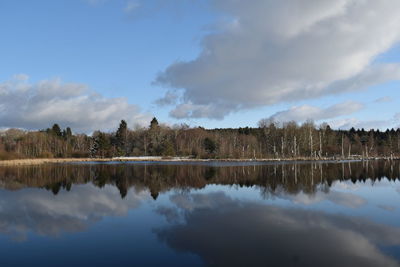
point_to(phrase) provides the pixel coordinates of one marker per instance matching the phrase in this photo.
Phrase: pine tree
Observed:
(154, 124)
(209, 145)
(121, 137)
(56, 130)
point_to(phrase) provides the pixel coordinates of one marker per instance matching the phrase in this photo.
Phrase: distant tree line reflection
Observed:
(290, 178)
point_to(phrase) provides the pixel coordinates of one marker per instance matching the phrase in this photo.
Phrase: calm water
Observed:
(336, 214)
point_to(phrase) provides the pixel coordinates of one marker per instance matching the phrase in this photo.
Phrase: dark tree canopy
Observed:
(56, 130)
(154, 123)
(69, 131)
(121, 137)
(209, 145)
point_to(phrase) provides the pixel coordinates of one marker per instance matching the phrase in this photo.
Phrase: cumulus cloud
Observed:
(275, 236)
(190, 110)
(383, 124)
(38, 105)
(307, 112)
(169, 99)
(95, 2)
(385, 99)
(281, 51)
(131, 6)
(348, 123)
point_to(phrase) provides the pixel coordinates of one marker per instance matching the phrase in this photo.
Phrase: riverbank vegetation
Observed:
(268, 141)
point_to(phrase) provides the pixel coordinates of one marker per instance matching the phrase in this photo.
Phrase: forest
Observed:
(270, 140)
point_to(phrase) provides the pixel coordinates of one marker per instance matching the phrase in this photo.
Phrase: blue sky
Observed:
(213, 56)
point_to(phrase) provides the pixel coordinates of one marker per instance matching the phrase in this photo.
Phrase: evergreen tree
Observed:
(101, 145)
(68, 132)
(154, 124)
(56, 130)
(209, 145)
(121, 137)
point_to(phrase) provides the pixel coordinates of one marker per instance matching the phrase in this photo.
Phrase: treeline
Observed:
(268, 141)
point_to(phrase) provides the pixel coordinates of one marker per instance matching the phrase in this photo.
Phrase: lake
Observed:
(201, 214)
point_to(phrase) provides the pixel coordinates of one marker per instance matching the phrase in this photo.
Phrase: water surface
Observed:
(253, 214)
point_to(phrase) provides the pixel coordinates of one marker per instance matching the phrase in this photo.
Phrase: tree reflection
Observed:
(291, 179)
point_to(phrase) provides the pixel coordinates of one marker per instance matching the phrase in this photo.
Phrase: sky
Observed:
(88, 64)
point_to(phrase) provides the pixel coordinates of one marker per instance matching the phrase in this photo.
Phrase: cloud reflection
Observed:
(41, 212)
(227, 232)
(339, 198)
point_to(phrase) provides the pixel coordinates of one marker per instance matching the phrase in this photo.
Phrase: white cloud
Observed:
(37, 106)
(21, 77)
(96, 2)
(385, 99)
(284, 51)
(383, 124)
(348, 123)
(307, 112)
(190, 110)
(131, 6)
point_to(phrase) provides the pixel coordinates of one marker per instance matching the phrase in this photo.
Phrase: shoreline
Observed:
(21, 162)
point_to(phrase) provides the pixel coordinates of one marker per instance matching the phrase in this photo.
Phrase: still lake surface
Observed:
(201, 214)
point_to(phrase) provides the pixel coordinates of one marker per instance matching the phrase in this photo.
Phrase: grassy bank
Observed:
(18, 162)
